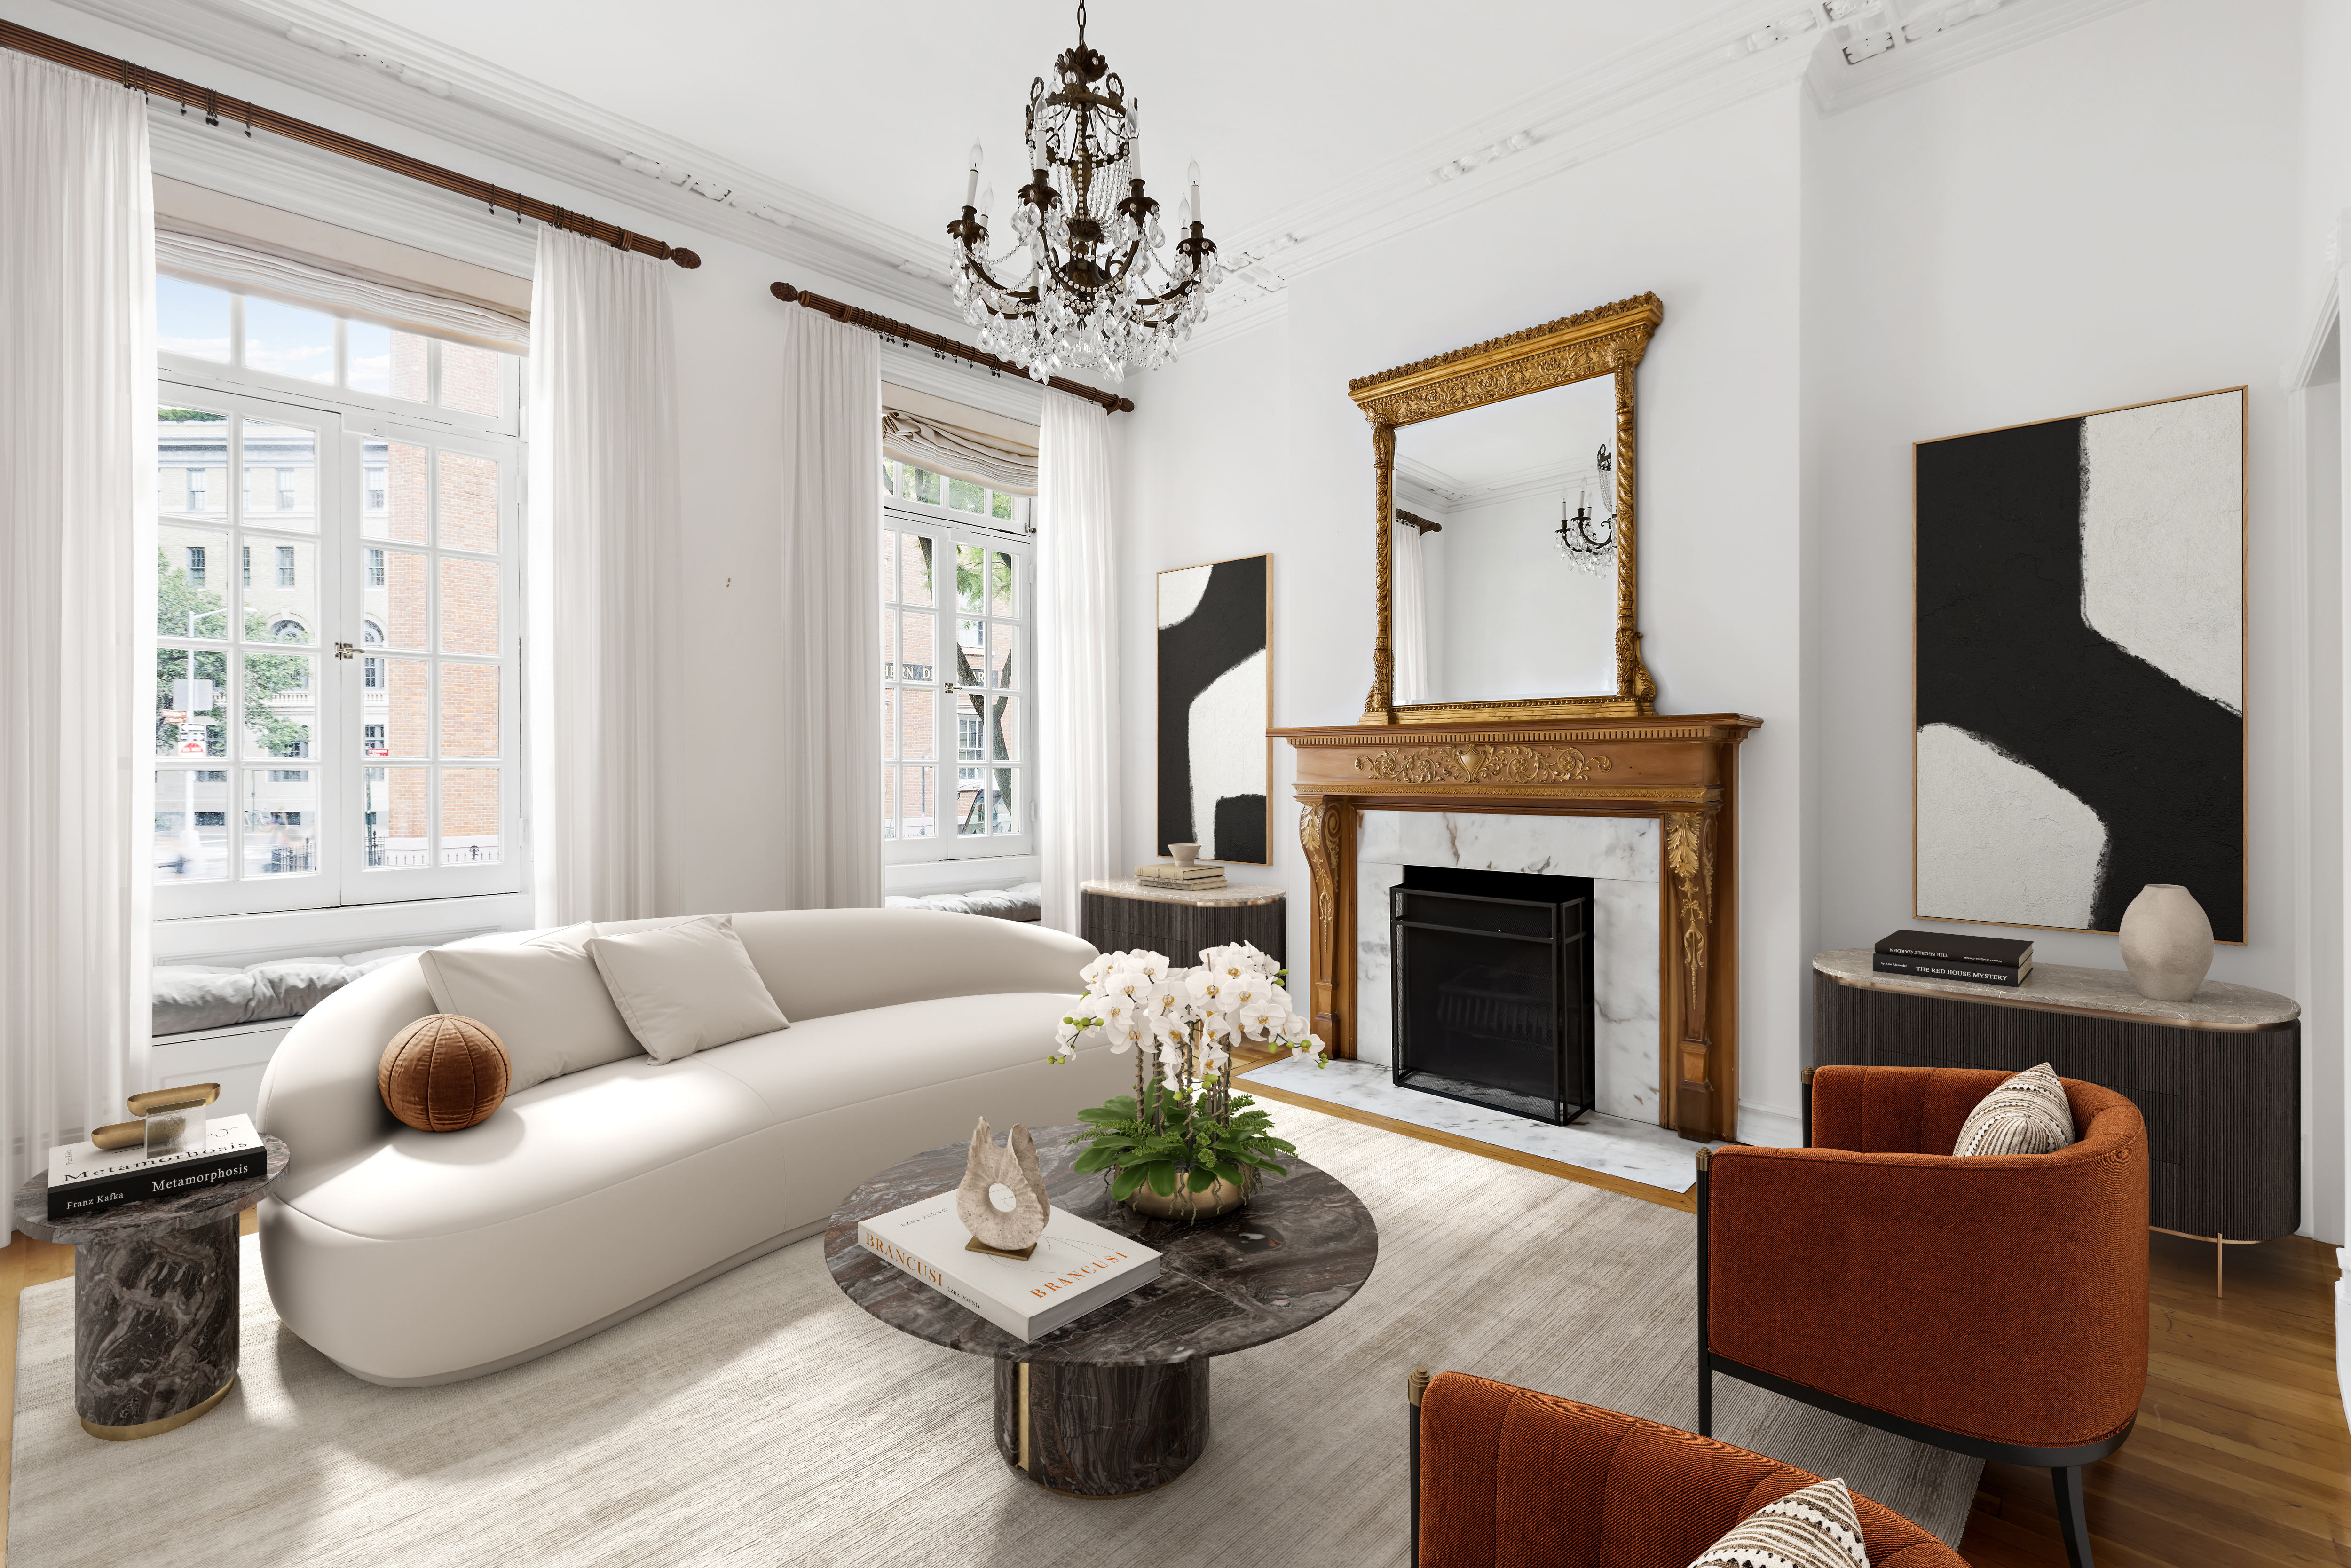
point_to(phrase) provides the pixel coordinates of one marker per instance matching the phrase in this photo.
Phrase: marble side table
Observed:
(1116, 1403)
(156, 1292)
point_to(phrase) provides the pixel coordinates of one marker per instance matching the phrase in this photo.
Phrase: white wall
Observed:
(1518, 621)
(1253, 445)
(2105, 218)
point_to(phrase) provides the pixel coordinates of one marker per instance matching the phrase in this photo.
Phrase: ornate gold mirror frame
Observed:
(1604, 342)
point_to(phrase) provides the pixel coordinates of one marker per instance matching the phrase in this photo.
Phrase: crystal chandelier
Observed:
(1592, 551)
(1096, 295)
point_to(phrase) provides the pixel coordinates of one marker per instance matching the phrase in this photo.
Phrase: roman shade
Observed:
(349, 290)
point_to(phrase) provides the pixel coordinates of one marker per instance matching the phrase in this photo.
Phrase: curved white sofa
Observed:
(416, 1257)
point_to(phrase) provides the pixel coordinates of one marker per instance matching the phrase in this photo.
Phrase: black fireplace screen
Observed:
(1492, 976)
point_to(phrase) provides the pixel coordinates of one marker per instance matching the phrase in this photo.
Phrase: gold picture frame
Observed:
(1606, 340)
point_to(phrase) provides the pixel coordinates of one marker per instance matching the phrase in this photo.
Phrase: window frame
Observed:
(345, 421)
(951, 529)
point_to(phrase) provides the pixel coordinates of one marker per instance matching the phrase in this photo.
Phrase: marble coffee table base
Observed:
(155, 1327)
(1102, 1431)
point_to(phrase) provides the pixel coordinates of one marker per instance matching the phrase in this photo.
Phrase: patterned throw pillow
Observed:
(1814, 1528)
(2026, 1116)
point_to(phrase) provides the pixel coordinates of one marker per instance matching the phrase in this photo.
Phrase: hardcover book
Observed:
(1942, 969)
(1197, 884)
(84, 1178)
(1076, 1266)
(1168, 870)
(1998, 950)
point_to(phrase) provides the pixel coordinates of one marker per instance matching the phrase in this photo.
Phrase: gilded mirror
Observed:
(1504, 501)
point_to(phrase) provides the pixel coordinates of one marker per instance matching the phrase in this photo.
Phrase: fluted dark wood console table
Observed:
(2218, 1079)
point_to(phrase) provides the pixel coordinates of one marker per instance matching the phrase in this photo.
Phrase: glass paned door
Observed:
(244, 500)
(957, 768)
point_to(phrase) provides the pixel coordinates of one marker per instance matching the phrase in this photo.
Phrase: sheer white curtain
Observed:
(77, 602)
(830, 791)
(604, 498)
(1077, 656)
(1408, 615)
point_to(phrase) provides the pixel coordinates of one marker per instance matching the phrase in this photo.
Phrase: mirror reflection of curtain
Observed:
(1408, 620)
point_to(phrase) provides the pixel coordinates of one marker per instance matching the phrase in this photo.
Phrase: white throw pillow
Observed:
(1816, 1528)
(2029, 1115)
(686, 987)
(543, 998)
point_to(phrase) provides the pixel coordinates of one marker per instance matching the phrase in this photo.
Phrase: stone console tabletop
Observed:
(2068, 988)
(1212, 898)
(156, 1296)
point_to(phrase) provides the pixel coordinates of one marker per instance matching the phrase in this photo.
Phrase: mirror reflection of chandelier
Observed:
(1590, 546)
(1096, 295)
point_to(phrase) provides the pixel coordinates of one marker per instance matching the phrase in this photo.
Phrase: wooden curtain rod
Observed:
(1423, 524)
(218, 106)
(1111, 402)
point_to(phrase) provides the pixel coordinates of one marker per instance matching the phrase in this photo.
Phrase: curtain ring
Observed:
(620, 239)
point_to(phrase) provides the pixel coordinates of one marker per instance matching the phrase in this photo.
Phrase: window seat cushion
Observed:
(1023, 901)
(191, 997)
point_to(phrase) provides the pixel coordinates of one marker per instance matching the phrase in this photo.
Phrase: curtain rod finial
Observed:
(784, 291)
(685, 259)
(1127, 405)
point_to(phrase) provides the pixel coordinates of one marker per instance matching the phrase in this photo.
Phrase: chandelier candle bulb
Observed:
(1192, 178)
(972, 185)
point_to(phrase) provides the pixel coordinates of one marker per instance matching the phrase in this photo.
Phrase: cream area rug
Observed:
(763, 1419)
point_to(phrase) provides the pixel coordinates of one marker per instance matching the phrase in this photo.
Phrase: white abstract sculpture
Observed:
(1002, 1201)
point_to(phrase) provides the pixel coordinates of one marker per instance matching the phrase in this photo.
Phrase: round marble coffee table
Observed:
(1116, 1403)
(156, 1290)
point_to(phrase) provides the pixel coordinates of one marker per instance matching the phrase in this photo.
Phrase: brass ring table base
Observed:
(1102, 1431)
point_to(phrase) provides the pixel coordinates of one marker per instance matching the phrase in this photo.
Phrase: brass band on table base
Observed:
(1050, 1423)
(157, 1428)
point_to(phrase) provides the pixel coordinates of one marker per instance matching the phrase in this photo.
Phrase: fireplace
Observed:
(1493, 994)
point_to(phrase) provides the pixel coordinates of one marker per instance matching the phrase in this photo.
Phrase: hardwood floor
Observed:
(2241, 1459)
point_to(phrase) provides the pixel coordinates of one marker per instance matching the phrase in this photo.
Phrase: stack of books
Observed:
(1192, 878)
(1075, 1267)
(84, 1178)
(1988, 960)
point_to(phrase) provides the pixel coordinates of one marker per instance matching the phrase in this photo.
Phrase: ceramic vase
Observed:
(1222, 1198)
(2167, 942)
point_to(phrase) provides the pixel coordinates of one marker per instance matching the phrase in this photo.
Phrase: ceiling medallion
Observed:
(1096, 296)
(1577, 541)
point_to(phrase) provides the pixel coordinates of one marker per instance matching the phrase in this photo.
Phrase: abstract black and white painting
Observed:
(2081, 666)
(1212, 684)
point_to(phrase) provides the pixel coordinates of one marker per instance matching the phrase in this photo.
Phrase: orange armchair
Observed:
(1994, 1305)
(1507, 1478)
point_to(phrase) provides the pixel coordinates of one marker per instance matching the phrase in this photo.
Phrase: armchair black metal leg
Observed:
(1415, 1386)
(1704, 1397)
(1705, 1372)
(2072, 1516)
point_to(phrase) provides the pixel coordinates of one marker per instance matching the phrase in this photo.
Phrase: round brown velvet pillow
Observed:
(444, 1074)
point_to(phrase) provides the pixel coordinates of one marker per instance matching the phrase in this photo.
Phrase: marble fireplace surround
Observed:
(1648, 799)
(1620, 855)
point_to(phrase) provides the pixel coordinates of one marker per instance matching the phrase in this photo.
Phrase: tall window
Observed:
(381, 486)
(957, 712)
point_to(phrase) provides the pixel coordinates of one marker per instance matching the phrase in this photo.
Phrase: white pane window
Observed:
(288, 340)
(192, 319)
(285, 566)
(955, 753)
(375, 579)
(375, 487)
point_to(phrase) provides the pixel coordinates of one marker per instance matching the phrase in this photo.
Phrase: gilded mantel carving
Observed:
(1681, 771)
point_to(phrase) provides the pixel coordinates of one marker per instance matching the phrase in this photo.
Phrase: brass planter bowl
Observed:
(1220, 1198)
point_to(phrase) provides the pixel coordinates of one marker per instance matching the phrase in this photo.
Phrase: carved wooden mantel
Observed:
(1681, 769)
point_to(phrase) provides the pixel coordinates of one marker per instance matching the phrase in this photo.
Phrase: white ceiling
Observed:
(874, 108)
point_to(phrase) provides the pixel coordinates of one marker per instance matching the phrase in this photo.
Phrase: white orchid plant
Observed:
(1184, 1124)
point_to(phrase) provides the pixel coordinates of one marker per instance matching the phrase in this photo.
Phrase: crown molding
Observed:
(1835, 85)
(522, 125)
(1741, 50)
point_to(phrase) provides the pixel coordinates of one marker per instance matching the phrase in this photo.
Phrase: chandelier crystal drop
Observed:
(1089, 288)
(1591, 547)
